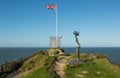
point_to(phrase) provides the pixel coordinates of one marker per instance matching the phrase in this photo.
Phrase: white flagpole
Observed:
(56, 24)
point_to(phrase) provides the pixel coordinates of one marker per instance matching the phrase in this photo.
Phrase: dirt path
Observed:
(60, 66)
(15, 74)
(19, 75)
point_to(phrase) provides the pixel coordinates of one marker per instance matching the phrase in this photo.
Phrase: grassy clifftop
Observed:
(43, 65)
(97, 68)
(39, 65)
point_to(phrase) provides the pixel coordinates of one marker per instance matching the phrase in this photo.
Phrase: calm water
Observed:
(12, 54)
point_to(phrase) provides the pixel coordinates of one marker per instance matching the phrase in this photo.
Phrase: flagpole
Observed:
(56, 24)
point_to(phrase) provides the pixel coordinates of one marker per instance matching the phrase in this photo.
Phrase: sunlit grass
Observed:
(95, 68)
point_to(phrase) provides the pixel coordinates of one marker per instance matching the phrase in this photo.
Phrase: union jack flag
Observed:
(51, 6)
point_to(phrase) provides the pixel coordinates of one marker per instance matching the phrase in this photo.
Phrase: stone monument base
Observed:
(76, 62)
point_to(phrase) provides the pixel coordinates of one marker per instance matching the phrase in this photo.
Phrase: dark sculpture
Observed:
(78, 47)
(76, 61)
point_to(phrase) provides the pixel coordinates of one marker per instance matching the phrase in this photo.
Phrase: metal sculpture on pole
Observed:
(78, 47)
(76, 61)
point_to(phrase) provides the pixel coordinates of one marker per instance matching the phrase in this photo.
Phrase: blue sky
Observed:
(27, 23)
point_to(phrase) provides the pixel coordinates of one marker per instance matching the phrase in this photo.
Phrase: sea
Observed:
(10, 54)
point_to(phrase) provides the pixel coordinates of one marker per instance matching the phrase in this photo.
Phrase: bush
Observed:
(101, 56)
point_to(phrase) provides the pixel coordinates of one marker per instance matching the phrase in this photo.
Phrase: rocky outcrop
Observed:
(54, 51)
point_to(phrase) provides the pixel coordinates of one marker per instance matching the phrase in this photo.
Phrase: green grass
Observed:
(41, 69)
(97, 68)
(41, 65)
(3, 75)
(39, 73)
(37, 60)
